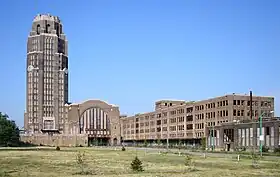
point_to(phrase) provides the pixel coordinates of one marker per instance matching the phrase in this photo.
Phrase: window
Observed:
(234, 102)
(48, 28)
(242, 112)
(38, 29)
(190, 118)
(180, 127)
(267, 130)
(172, 128)
(158, 122)
(48, 124)
(189, 126)
(234, 112)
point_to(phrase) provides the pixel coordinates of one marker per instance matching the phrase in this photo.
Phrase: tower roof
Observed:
(40, 17)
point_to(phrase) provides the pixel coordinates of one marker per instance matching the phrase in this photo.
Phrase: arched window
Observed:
(38, 29)
(48, 28)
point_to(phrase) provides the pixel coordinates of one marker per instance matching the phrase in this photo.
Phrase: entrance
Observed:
(228, 147)
(115, 141)
(96, 141)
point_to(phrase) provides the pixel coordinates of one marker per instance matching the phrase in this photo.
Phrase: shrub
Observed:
(136, 165)
(188, 160)
(57, 148)
(189, 163)
(255, 159)
(123, 148)
(277, 150)
(145, 143)
(203, 143)
(81, 161)
(265, 149)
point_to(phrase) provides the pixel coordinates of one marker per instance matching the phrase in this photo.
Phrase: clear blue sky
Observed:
(131, 53)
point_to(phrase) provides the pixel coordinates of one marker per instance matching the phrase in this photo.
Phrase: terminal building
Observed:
(50, 119)
(187, 121)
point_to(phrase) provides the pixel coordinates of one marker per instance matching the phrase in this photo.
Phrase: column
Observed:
(276, 135)
(235, 137)
(221, 138)
(255, 135)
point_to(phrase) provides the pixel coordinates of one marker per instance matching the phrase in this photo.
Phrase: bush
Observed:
(255, 159)
(81, 161)
(188, 160)
(277, 150)
(123, 148)
(136, 165)
(203, 143)
(265, 149)
(57, 148)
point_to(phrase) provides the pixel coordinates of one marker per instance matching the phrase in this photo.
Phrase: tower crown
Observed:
(48, 17)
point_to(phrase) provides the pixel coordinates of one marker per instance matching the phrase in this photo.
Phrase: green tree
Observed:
(136, 165)
(9, 132)
(145, 143)
(203, 143)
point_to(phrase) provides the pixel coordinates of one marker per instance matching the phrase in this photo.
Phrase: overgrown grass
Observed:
(108, 162)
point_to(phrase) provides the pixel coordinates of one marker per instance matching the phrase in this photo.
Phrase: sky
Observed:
(133, 53)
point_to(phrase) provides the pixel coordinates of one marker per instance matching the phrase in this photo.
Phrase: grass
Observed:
(108, 162)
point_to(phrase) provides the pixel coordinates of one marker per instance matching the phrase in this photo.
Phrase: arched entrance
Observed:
(95, 122)
(115, 141)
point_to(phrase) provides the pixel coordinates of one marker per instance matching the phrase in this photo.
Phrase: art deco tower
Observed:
(47, 75)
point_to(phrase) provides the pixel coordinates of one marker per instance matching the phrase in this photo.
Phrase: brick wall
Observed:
(56, 140)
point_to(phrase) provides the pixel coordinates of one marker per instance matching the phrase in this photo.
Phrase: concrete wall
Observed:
(56, 139)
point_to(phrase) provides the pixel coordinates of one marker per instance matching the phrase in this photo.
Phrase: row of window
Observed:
(159, 129)
(211, 105)
(254, 103)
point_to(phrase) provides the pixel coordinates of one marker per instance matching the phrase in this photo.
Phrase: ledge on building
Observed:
(50, 131)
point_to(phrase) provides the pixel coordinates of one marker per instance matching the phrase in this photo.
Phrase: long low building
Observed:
(178, 120)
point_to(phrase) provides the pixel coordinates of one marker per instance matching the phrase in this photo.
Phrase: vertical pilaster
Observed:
(255, 135)
(221, 138)
(276, 135)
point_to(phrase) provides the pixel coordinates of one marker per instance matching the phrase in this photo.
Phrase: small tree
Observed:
(145, 143)
(180, 144)
(255, 159)
(123, 148)
(189, 163)
(203, 143)
(136, 165)
(80, 158)
(158, 142)
(188, 160)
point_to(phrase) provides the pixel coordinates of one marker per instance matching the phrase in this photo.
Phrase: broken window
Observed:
(234, 112)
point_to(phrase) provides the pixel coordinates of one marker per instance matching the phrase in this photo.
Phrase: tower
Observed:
(47, 75)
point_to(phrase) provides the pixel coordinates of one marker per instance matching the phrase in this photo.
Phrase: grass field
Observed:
(108, 162)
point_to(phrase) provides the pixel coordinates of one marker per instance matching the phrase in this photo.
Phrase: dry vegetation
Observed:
(108, 162)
